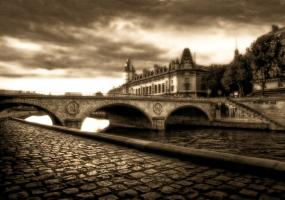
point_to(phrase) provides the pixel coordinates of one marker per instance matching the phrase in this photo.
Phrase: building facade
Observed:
(182, 77)
(272, 86)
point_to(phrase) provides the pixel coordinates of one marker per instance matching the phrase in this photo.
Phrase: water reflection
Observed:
(44, 119)
(89, 124)
(94, 125)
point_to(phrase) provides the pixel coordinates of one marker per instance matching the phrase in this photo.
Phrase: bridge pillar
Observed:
(158, 123)
(73, 123)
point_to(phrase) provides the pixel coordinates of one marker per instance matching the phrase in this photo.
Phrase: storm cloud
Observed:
(89, 38)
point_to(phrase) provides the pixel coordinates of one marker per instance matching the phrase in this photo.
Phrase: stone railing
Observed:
(255, 112)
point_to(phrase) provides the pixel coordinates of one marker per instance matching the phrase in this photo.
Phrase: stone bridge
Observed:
(137, 111)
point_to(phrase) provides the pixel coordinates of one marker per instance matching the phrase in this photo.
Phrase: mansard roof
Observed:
(185, 63)
(186, 56)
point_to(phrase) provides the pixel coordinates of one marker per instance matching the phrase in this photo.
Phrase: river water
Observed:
(263, 144)
(257, 143)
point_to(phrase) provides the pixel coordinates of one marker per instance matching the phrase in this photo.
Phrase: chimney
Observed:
(274, 28)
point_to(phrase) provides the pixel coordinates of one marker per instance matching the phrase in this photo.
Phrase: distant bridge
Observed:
(137, 111)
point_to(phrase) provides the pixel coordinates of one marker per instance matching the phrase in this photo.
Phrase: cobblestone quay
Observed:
(42, 164)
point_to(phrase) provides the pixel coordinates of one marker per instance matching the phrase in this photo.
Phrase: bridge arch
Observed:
(124, 113)
(192, 114)
(55, 119)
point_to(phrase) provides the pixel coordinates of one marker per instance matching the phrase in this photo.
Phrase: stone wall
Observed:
(273, 108)
(229, 123)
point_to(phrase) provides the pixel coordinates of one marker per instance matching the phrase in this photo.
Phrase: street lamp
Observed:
(219, 93)
(208, 92)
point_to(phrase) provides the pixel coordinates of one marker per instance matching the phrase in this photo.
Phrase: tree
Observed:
(213, 79)
(238, 76)
(266, 57)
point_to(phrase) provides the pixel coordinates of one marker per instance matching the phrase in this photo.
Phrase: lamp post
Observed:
(208, 92)
(219, 93)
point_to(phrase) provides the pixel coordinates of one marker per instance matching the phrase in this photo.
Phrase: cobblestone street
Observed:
(42, 164)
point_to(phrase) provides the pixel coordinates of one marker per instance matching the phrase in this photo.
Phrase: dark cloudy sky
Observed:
(60, 44)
